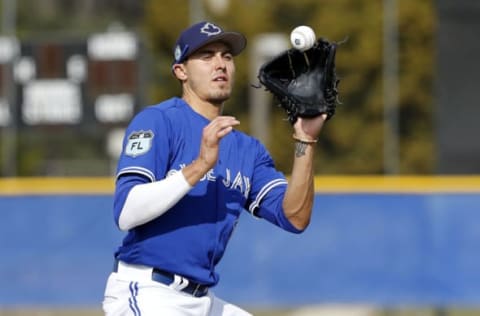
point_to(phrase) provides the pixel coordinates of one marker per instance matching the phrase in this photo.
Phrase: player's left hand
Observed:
(309, 128)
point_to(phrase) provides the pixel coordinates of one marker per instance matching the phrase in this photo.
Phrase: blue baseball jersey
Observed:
(190, 238)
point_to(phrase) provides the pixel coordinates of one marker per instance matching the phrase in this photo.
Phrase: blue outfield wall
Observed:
(402, 246)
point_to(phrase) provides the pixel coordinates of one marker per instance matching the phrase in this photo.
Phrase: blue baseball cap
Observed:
(203, 33)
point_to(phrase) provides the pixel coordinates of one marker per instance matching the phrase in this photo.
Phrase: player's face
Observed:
(210, 72)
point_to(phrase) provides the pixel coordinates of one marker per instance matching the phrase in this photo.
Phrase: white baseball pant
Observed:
(131, 292)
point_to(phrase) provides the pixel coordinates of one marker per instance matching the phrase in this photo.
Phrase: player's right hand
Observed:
(209, 147)
(212, 134)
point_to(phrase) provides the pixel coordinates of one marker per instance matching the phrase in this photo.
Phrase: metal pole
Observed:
(390, 87)
(197, 13)
(9, 136)
(264, 47)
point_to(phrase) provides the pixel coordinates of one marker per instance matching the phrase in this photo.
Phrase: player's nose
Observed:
(219, 61)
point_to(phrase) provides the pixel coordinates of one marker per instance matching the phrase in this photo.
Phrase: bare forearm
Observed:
(195, 171)
(298, 200)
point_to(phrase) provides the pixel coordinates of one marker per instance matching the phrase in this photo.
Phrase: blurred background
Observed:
(397, 167)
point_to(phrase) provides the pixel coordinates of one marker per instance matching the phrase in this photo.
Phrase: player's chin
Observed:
(220, 96)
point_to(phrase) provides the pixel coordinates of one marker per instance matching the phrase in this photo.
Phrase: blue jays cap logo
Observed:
(210, 29)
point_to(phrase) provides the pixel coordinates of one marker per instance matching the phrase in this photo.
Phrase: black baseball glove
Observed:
(305, 83)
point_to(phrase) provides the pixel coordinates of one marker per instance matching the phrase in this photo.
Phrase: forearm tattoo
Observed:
(300, 149)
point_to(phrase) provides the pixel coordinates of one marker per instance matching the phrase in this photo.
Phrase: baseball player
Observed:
(184, 177)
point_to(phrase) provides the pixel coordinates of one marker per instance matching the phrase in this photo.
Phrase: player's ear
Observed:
(180, 71)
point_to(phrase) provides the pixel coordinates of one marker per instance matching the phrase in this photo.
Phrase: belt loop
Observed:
(196, 289)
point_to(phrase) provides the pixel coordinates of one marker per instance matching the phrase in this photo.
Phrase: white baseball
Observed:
(302, 37)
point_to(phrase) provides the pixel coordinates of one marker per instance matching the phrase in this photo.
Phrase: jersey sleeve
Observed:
(268, 190)
(145, 149)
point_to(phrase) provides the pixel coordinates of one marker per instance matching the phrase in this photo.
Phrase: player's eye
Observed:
(203, 55)
(207, 55)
